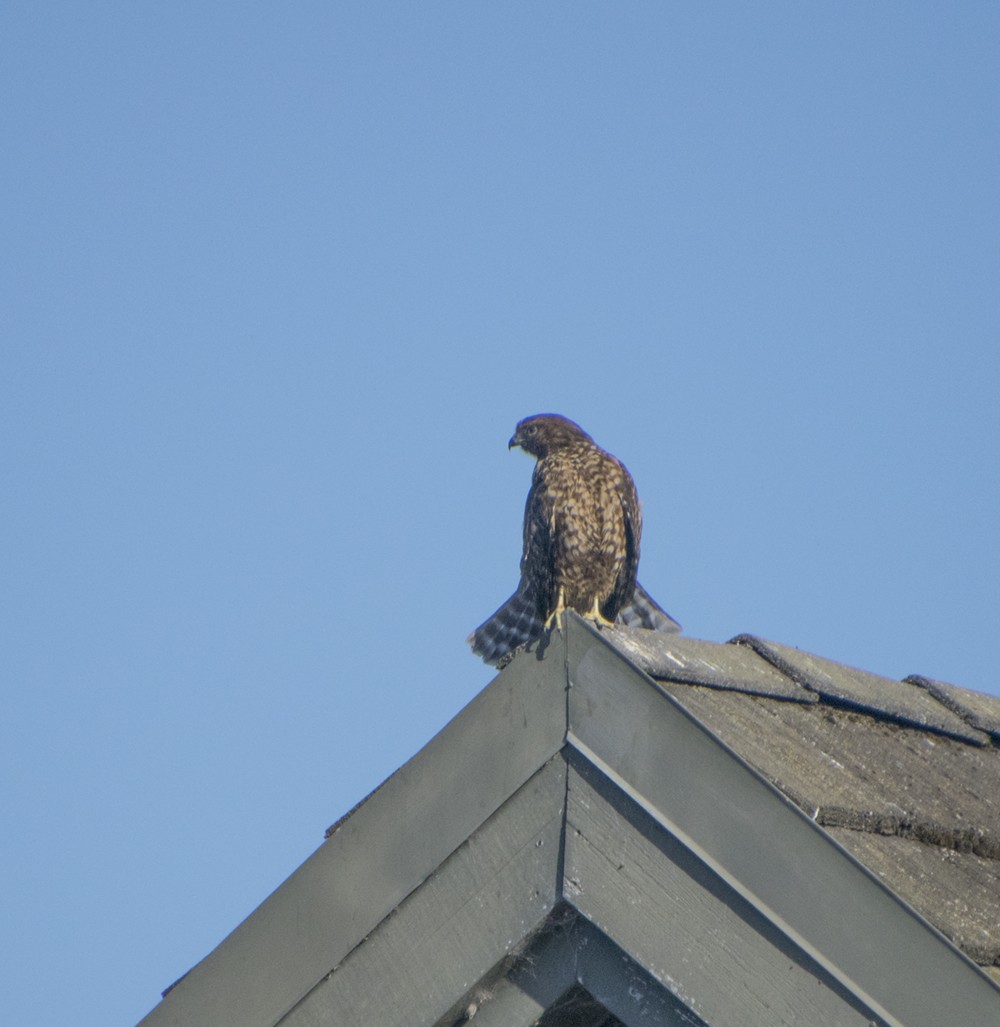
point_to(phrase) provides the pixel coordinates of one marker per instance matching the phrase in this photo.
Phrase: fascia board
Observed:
(679, 920)
(450, 935)
(764, 846)
(378, 855)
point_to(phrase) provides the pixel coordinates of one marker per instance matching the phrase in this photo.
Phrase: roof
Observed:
(630, 827)
(904, 774)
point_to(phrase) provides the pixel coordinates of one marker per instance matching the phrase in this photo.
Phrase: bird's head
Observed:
(541, 434)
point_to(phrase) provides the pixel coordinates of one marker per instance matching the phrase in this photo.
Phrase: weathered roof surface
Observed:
(630, 828)
(979, 710)
(904, 774)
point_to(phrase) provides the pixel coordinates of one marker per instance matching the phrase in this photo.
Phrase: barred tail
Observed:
(518, 622)
(644, 612)
(515, 623)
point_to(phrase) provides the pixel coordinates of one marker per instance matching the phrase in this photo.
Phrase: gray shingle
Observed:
(977, 709)
(735, 668)
(838, 683)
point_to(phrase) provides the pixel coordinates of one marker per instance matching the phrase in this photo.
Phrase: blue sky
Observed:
(277, 282)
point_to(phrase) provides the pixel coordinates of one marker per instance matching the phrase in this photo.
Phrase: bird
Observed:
(582, 528)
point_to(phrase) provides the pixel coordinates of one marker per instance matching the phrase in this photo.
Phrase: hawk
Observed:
(582, 525)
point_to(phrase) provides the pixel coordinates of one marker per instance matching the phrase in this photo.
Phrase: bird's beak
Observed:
(514, 441)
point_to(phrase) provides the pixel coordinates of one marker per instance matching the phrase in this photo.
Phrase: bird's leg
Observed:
(594, 614)
(556, 616)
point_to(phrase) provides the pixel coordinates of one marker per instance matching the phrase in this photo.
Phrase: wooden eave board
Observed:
(657, 901)
(448, 934)
(377, 856)
(569, 833)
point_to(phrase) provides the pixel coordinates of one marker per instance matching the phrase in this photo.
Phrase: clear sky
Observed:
(278, 281)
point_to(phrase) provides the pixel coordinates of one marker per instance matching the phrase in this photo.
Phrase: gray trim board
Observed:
(632, 878)
(377, 856)
(449, 933)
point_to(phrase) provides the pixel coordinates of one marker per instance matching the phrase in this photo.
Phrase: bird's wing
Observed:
(537, 557)
(632, 520)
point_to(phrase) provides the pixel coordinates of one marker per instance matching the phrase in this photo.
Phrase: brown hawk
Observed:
(582, 526)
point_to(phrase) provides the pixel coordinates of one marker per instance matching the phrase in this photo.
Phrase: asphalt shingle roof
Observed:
(904, 774)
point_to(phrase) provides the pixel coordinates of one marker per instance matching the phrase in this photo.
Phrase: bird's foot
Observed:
(595, 616)
(556, 618)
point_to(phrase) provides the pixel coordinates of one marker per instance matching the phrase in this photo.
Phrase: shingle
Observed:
(838, 683)
(670, 658)
(978, 709)
(849, 769)
(958, 892)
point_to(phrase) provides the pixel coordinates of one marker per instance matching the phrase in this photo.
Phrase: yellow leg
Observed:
(556, 616)
(595, 614)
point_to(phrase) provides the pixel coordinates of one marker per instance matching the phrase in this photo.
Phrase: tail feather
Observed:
(644, 612)
(518, 622)
(514, 624)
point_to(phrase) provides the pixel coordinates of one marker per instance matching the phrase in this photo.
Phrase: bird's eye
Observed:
(529, 429)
